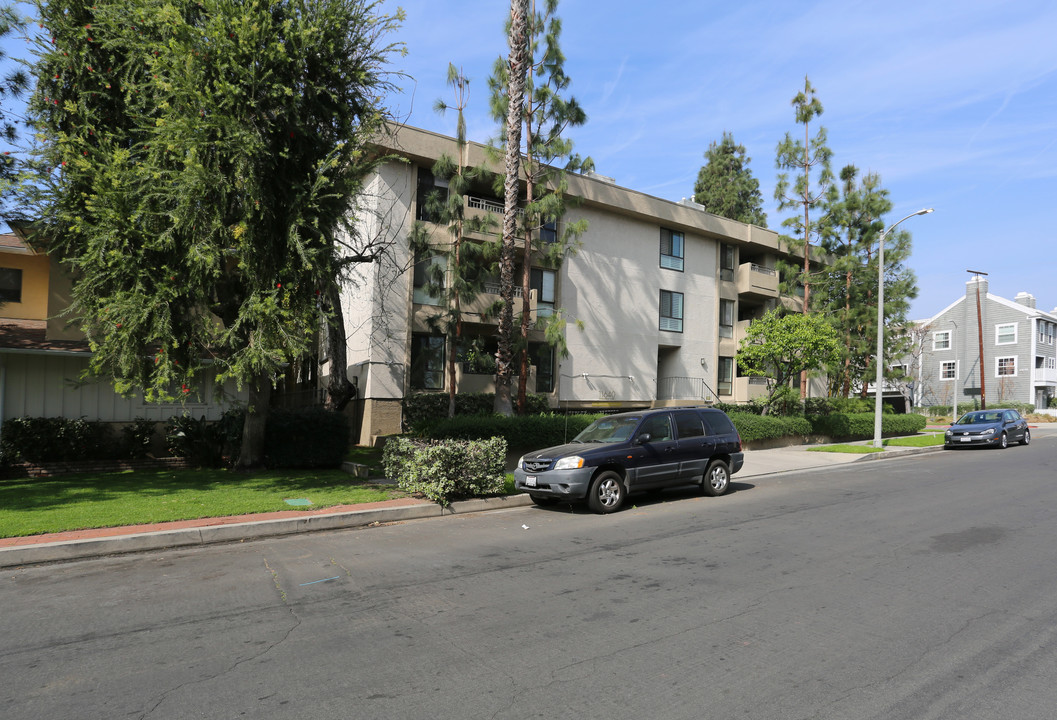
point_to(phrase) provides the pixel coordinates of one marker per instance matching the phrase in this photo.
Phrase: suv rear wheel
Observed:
(717, 479)
(607, 493)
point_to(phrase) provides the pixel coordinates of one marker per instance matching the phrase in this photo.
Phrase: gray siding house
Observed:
(1019, 351)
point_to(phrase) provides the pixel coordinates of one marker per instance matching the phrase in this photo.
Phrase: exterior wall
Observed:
(34, 304)
(43, 384)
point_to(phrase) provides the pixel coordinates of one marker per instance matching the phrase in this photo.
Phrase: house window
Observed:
(671, 249)
(941, 340)
(427, 362)
(949, 370)
(1006, 334)
(726, 318)
(725, 382)
(10, 285)
(429, 278)
(1006, 367)
(726, 262)
(431, 196)
(542, 281)
(671, 311)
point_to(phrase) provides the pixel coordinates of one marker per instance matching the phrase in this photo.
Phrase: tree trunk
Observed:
(515, 97)
(526, 285)
(252, 453)
(339, 390)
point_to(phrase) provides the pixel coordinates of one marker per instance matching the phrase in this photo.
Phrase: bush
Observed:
(765, 427)
(422, 408)
(447, 470)
(200, 441)
(826, 406)
(58, 439)
(137, 438)
(306, 437)
(521, 432)
(858, 426)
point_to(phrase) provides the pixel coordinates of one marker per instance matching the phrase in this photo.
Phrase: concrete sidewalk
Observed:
(110, 541)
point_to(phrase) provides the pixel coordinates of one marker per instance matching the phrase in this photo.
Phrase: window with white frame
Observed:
(671, 311)
(1006, 334)
(671, 249)
(1006, 366)
(941, 340)
(949, 370)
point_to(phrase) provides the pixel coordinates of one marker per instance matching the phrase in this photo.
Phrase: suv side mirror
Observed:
(643, 438)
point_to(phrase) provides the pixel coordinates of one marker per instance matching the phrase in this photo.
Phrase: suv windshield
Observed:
(608, 430)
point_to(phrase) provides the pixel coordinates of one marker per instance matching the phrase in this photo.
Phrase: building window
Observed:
(671, 249)
(1006, 367)
(427, 362)
(549, 232)
(941, 340)
(949, 370)
(1006, 334)
(726, 318)
(431, 196)
(671, 311)
(10, 285)
(542, 281)
(726, 262)
(542, 356)
(428, 279)
(725, 382)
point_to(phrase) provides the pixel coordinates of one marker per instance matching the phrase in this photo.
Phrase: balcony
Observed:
(484, 302)
(1044, 376)
(749, 388)
(757, 282)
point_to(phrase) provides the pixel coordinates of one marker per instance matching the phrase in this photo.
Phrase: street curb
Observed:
(899, 453)
(240, 532)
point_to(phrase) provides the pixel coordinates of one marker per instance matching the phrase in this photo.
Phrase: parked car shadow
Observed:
(651, 497)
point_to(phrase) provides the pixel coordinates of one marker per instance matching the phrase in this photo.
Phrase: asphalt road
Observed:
(920, 588)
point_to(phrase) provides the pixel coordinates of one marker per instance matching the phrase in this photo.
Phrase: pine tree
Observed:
(547, 157)
(725, 184)
(14, 82)
(199, 163)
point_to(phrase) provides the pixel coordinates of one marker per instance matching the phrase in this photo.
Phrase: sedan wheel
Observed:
(717, 479)
(607, 493)
(1003, 442)
(1027, 437)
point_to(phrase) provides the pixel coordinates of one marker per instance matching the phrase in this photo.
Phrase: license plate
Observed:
(530, 481)
(965, 439)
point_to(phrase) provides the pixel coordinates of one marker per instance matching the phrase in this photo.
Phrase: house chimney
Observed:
(973, 283)
(1025, 299)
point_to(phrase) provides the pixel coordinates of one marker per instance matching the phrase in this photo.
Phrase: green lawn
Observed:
(916, 440)
(30, 506)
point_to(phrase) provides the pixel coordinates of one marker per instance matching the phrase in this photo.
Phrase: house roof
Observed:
(31, 335)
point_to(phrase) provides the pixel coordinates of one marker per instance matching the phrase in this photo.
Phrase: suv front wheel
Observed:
(717, 479)
(607, 493)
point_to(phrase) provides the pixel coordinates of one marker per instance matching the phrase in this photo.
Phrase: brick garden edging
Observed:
(52, 469)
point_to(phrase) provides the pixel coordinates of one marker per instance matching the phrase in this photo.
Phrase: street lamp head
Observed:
(926, 211)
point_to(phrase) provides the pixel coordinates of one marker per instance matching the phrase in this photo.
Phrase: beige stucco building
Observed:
(657, 297)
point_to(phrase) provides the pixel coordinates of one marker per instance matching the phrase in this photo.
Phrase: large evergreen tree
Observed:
(199, 162)
(725, 184)
(13, 83)
(547, 112)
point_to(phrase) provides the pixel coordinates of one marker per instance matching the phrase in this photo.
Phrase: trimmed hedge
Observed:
(524, 432)
(45, 439)
(861, 425)
(423, 408)
(447, 470)
(765, 427)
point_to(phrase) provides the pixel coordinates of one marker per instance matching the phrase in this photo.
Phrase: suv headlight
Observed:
(569, 463)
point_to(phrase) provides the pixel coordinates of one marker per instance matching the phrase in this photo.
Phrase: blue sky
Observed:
(954, 104)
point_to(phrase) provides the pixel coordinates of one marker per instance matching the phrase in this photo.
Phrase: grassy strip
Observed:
(29, 506)
(916, 440)
(853, 449)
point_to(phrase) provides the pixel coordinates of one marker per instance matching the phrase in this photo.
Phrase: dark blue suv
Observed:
(628, 452)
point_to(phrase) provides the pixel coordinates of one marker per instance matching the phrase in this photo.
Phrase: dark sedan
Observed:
(994, 428)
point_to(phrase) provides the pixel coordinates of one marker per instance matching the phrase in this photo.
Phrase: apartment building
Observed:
(1018, 355)
(657, 297)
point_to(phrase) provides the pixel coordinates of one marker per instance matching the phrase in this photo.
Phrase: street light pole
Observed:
(879, 359)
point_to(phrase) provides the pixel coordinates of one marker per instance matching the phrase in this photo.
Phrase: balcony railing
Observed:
(757, 280)
(1046, 375)
(684, 388)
